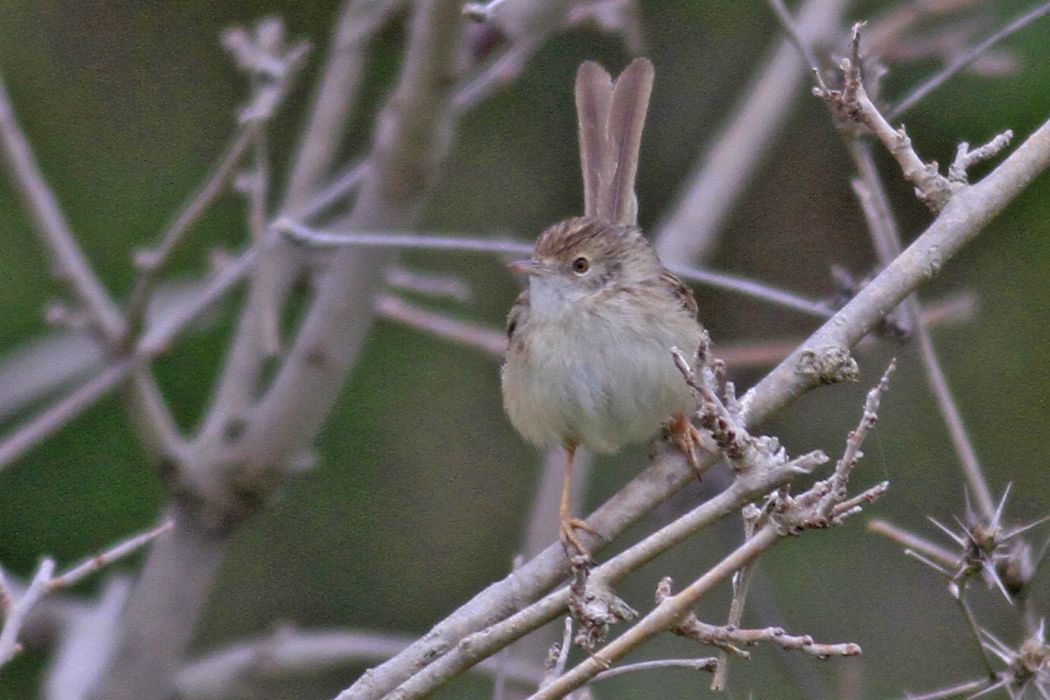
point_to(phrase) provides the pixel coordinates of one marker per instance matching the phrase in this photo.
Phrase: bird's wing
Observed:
(681, 292)
(519, 314)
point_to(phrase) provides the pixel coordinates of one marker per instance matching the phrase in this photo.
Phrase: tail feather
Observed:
(594, 92)
(612, 117)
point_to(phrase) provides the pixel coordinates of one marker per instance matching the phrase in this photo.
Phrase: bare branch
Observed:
(753, 289)
(151, 263)
(31, 432)
(914, 542)
(558, 656)
(288, 651)
(398, 239)
(705, 664)
(44, 583)
(16, 616)
(853, 104)
(412, 135)
(960, 437)
(118, 551)
(264, 302)
(689, 232)
(731, 637)
(156, 341)
(432, 284)
(334, 98)
(150, 415)
(823, 504)
(966, 58)
(71, 264)
(492, 342)
(741, 585)
(966, 159)
(84, 641)
(408, 241)
(967, 689)
(886, 236)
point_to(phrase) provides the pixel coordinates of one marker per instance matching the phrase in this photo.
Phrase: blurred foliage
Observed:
(422, 487)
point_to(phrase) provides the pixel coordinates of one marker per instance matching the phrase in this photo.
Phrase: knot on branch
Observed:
(595, 606)
(831, 364)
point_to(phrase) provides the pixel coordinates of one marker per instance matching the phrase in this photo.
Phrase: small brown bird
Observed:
(589, 360)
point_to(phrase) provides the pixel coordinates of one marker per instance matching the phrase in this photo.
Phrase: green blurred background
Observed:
(423, 488)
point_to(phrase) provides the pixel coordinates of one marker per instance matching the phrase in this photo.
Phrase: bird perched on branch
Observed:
(589, 359)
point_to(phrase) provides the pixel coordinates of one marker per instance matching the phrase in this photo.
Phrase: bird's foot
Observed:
(569, 541)
(689, 440)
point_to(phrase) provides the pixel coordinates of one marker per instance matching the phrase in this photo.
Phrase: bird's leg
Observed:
(688, 439)
(570, 523)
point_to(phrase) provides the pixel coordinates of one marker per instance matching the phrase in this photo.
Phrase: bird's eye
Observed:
(580, 265)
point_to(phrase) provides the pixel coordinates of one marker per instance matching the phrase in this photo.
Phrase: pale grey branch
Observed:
(51, 224)
(242, 669)
(688, 234)
(966, 58)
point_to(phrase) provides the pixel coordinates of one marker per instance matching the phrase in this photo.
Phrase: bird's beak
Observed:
(526, 267)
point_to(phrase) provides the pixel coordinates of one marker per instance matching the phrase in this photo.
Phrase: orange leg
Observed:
(688, 439)
(568, 523)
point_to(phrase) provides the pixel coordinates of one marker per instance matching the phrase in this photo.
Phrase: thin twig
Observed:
(973, 628)
(341, 185)
(15, 618)
(290, 651)
(960, 437)
(741, 584)
(151, 416)
(492, 342)
(689, 232)
(803, 44)
(432, 284)
(752, 289)
(44, 583)
(409, 241)
(335, 97)
(156, 341)
(397, 239)
(151, 263)
(71, 264)
(968, 689)
(707, 664)
(32, 431)
(965, 58)
(120, 550)
(914, 542)
(883, 228)
(558, 655)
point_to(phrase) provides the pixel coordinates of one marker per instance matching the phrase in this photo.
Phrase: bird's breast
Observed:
(596, 377)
